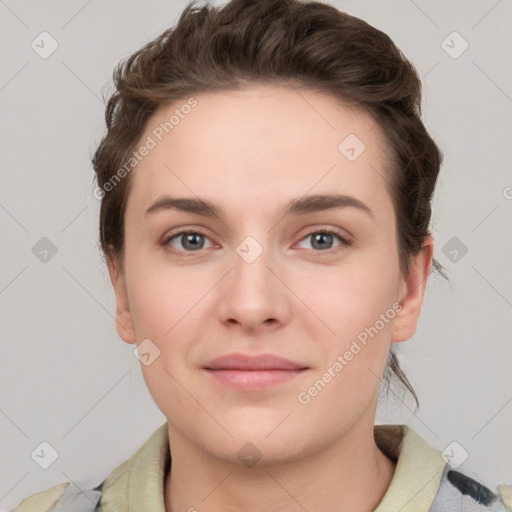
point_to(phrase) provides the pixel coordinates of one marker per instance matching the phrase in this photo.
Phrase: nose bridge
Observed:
(251, 275)
(252, 294)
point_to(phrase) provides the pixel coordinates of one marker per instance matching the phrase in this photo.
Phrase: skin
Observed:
(251, 151)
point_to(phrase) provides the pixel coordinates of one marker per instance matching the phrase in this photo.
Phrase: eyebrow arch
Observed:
(298, 206)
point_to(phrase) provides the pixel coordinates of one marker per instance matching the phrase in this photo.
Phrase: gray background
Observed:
(66, 376)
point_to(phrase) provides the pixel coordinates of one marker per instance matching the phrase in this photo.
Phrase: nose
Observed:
(253, 295)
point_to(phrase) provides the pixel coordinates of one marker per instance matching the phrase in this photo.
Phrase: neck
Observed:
(350, 474)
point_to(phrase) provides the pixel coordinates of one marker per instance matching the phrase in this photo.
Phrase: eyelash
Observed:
(327, 252)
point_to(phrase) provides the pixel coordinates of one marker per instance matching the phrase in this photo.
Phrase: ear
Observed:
(412, 292)
(124, 324)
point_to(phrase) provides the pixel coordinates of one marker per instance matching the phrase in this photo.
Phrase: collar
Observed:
(418, 470)
(138, 483)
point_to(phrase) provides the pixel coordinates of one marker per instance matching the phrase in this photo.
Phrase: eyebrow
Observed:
(298, 206)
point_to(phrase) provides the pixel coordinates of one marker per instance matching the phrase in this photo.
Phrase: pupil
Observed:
(320, 237)
(192, 238)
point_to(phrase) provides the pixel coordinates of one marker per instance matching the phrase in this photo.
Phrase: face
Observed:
(270, 268)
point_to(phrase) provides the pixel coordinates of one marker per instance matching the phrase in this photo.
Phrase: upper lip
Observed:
(256, 362)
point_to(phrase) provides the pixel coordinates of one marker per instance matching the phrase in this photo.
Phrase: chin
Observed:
(253, 453)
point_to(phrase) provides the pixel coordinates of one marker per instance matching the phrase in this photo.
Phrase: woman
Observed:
(266, 185)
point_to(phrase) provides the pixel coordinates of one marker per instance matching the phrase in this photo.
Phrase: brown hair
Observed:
(307, 43)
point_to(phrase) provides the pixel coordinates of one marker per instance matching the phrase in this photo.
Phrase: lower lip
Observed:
(254, 379)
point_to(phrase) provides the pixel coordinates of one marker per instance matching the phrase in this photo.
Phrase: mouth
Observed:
(251, 373)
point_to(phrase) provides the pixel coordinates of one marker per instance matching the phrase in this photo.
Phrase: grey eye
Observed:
(188, 241)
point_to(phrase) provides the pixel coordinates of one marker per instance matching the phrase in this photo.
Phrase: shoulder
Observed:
(448, 490)
(138, 473)
(42, 501)
(458, 491)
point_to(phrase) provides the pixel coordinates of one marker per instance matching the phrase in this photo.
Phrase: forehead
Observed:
(260, 144)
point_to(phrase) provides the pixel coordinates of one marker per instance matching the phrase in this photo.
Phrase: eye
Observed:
(187, 241)
(323, 240)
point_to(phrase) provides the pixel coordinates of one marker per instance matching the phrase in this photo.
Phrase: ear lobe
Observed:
(124, 324)
(412, 293)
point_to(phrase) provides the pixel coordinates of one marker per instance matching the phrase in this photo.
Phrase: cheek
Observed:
(161, 298)
(350, 298)
(359, 311)
(170, 307)
(164, 310)
(358, 305)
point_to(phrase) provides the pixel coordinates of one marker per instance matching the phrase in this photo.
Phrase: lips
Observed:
(252, 373)
(261, 362)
